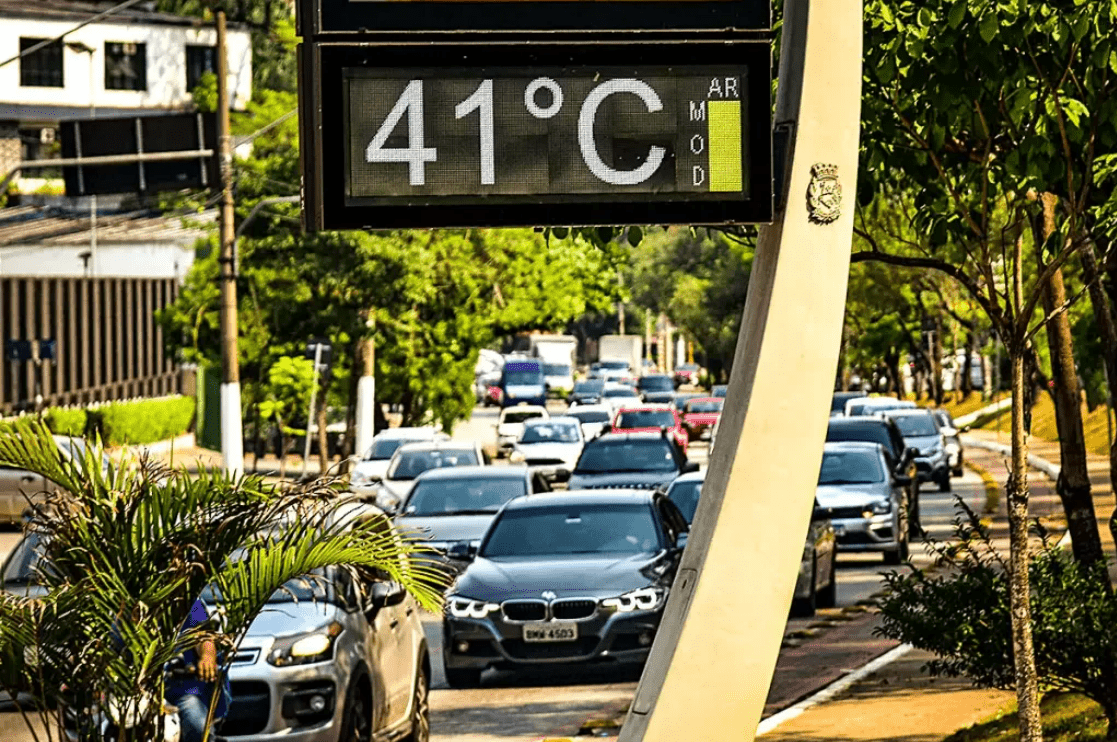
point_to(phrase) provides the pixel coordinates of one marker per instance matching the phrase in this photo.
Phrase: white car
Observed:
(412, 459)
(875, 405)
(511, 424)
(364, 479)
(616, 396)
(593, 418)
(549, 444)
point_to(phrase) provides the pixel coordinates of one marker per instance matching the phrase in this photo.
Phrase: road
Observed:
(510, 707)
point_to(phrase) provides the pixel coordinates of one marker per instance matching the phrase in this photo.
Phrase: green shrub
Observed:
(66, 421)
(144, 421)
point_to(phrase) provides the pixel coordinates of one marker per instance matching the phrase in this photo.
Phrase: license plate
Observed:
(550, 632)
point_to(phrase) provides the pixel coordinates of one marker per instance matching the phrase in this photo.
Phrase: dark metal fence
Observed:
(108, 345)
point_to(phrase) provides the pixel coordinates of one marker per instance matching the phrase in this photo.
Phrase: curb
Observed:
(1051, 470)
(832, 690)
(992, 409)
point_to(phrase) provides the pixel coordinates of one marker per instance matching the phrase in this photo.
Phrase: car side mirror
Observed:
(463, 551)
(561, 475)
(384, 594)
(910, 453)
(820, 513)
(949, 432)
(689, 467)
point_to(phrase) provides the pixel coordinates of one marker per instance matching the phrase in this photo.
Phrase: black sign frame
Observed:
(349, 17)
(323, 141)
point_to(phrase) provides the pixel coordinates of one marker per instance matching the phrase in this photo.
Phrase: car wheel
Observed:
(356, 724)
(828, 596)
(463, 677)
(944, 482)
(420, 709)
(805, 607)
(957, 471)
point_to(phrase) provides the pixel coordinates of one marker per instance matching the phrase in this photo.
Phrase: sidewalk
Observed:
(900, 702)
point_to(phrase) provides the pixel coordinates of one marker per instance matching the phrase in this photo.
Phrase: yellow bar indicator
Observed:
(725, 145)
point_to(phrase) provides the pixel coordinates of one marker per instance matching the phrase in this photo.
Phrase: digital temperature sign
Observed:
(499, 144)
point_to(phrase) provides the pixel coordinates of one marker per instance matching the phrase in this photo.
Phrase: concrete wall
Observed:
(166, 65)
(122, 260)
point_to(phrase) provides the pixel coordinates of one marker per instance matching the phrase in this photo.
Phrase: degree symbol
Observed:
(556, 98)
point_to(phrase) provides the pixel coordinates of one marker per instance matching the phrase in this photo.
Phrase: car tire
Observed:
(420, 709)
(944, 481)
(805, 607)
(356, 723)
(828, 596)
(957, 471)
(463, 677)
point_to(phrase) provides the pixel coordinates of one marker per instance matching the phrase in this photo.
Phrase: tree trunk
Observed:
(282, 449)
(936, 362)
(323, 438)
(1107, 329)
(966, 384)
(1074, 478)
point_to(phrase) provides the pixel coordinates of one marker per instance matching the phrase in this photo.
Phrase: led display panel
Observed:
(579, 143)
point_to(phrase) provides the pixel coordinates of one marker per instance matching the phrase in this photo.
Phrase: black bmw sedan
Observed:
(569, 577)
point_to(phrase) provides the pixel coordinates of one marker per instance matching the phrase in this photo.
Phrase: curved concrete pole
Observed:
(713, 659)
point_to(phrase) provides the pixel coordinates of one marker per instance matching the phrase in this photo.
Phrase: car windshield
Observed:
(646, 419)
(622, 392)
(410, 464)
(589, 416)
(573, 529)
(720, 390)
(384, 448)
(915, 426)
(589, 387)
(523, 377)
(614, 365)
(604, 455)
(461, 496)
(657, 384)
(868, 433)
(25, 560)
(838, 404)
(556, 369)
(519, 417)
(681, 401)
(685, 496)
(318, 586)
(550, 433)
(850, 467)
(705, 405)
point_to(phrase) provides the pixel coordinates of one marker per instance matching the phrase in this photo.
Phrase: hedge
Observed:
(66, 420)
(143, 421)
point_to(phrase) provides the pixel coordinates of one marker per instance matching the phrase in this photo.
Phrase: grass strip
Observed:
(1066, 717)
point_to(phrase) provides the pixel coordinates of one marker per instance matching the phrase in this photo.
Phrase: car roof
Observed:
(435, 446)
(428, 432)
(649, 407)
(616, 385)
(588, 408)
(473, 472)
(524, 408)
(552, 420)
(694, 476)
(635, 435)
(907, 412)
(849, 395)
(707, 399)
(851, 446)
(859, 420)
(581, 497)
(658, 376)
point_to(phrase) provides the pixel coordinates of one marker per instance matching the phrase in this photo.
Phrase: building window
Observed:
(125, 66)
(41, 68)
(199, 61)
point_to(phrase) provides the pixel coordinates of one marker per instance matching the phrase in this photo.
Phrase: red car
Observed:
(652, 418)
(700, 415)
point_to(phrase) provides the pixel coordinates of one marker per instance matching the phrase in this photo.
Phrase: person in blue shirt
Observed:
(192, 695)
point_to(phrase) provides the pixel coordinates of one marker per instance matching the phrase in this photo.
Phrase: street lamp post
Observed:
(84, 48)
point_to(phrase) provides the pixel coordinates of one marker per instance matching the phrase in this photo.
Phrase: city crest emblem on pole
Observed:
(824, 194)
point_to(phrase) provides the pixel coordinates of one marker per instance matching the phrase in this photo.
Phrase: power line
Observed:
(47, 42)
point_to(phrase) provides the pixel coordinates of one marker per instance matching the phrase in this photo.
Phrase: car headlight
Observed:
(305, 649)
(881, 507)
(460, 607)
(360, 479)
(952, 447)
(386, 501)
(517, 457)
(644, 599)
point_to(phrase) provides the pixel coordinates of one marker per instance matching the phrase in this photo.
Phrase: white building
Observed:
(135, 62)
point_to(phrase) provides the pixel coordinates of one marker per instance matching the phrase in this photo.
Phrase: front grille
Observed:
(524, 610)
(522, 650)
(245, 657)
(572, 610)
(858, 538)
(849, 512)
(250, 709)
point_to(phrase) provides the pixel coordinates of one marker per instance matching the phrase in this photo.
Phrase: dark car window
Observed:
(870, 431)
(556, 369)
(24, 561)
(649, 454)
(319, 586)
(573, 529)
(656, 384)
(646, 419)
(446, 497)
(589, 416)
(625, 392)
(720, 390)
(850, 467)
(523, 374)
(915, 426)
(519, 417)
(685, 496)
(705, 405)
(384, 448)
(594, 386)
(550, 433)
(614, 365)
(411, 464)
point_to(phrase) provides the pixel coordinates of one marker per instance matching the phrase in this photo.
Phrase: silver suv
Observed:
(318, 666)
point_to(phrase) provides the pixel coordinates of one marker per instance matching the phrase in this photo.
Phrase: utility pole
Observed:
(365, 425)
(310, 410)
(232, 437)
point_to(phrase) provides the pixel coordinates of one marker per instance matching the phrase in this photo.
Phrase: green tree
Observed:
(126, 552)
(286, 395)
